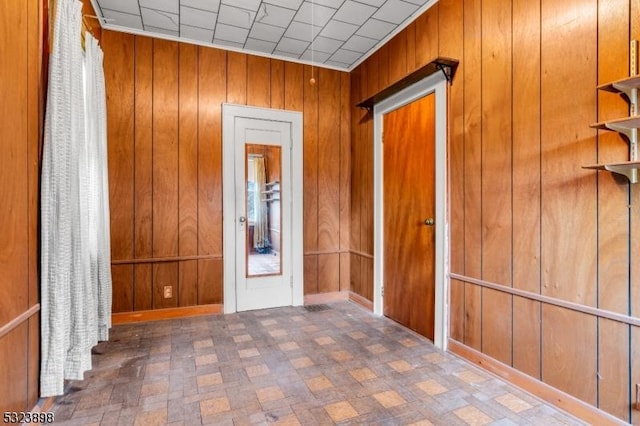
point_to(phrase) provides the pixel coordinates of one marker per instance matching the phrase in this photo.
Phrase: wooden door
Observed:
(408, 209)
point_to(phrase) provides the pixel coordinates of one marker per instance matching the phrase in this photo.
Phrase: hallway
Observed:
(319, 364)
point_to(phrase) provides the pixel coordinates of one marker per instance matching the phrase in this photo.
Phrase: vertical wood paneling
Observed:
(613, 215)
(143, 149)
(411, 46)
(473, 176)
(122, 277)
(212, 74)
(345, 180)
(328, 154)
(188, 283)
(428, 29)
(383, 67)
(526, 184)
(14, 368)
(371, 68)
(397, 56)
(236, 78)
(310, 271)
(165, 148)
(143, 291)
(258, 81)
(188, 152)
(568, 36)
(209, 281)
(328, 272)
(119, 78)
(450, 13)
(277, 84)
(496, 178)
(310, 153)
(293, 87)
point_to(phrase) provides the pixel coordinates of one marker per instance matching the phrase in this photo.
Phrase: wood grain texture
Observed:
(209, 282)
(397, 56)
(14, 369)
(258, 81)
(344, 185)
(188, 283)
(277, 84)
(212, 83)
(450, 14)
(371, 68)
(345, 271)
(143, 287)
(119, 79)
(473, 175)
(526, 184)
(293, 87)
(328, 272)
(496, 183)
(410, 37)
(143, 149)
(428, 28)
(237, 78)
(122, 287)
(310, 274)
(165, 275)
(188, 154)
(409, 245)
(310, 153)
(328, 157)
(165, 148)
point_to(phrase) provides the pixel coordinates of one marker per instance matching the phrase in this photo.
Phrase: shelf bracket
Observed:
(631, 174)
(446, 70)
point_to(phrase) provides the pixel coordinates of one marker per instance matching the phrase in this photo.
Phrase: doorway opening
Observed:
(434, 221)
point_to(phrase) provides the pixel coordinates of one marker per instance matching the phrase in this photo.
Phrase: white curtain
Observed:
(260, 230)
(73, 281)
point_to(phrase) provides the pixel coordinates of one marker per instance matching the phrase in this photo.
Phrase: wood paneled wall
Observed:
(165, 168)
(22, 108)
(523, 213)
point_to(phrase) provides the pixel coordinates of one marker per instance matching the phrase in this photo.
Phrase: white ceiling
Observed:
(336, 34)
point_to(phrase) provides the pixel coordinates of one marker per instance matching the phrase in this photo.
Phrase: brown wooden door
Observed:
(408, 198)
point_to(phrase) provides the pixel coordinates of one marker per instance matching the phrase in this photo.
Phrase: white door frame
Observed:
(230, 113)
(438, 84)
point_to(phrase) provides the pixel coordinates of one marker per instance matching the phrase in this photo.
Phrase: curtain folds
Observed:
(74, 303)
(261, 229)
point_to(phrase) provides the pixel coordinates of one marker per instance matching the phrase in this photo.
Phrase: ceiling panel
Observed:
(331, 33)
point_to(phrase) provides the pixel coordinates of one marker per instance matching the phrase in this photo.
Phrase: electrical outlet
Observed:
(168, 292)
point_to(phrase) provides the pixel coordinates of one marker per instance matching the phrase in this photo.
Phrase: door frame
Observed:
(230, 113)
(435, 83)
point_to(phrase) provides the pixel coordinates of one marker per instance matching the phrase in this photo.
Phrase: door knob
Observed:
(242, 219)
(429, 221)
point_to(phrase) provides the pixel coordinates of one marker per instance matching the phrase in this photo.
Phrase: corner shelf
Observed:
(627, 126)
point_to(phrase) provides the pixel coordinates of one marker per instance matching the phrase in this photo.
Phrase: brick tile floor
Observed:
(289, 366)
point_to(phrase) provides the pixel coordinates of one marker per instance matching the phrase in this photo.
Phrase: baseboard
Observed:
(320, 298)
(163, 314)
(558, 398)
(362, 301)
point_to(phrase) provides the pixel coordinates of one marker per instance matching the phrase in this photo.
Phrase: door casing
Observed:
(435, 83)
(230, 114)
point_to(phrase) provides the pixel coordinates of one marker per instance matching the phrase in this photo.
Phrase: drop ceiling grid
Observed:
(333, 33)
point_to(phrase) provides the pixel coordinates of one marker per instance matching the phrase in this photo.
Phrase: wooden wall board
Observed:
(123, 297)
(119, 78)
(310, 154)
(212, 91)
(345, 271)
(496, 177)
(188, 152)
(397, 56)
(258, 81)
(165, 274)
(143, 145)
(328, 274)
(473, 174)
(188, 283)
(526, 184)
(165, 148)
(143, 287)
(634, 355)
(410, 36)
(345, 166)
(310, 274)
(14, 369)
(237, 78)
(209, 281)
(277, 84)
(429, 25)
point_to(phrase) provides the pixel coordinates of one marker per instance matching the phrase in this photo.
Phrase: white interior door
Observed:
(262, 210)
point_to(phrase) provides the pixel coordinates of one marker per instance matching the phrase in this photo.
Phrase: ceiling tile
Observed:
(243, 4)
(417, 2)
(339, 30)
(195, 33)
(354, 13)
(395, 11)
(320, 14)
(289, 4)
(210, 5)
(219, 42)
(259, 45)
(197, 18)
(171, 6)
(360, 44)
(231, 33)
(280, 53)
(292, 46)
(237, 17)
(301, 31)
(126, 20)
(376, 3)
(159, 19)
(274, 15)
(126, 6)
(162, 31)
(341, 65)
(326, 45)
(315, 56)
(267, 32)
(331, 3)
(345, 56)
(375, 29)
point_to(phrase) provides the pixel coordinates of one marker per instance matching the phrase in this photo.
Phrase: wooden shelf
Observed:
(619, 124)
(622, 86)
(625, 168)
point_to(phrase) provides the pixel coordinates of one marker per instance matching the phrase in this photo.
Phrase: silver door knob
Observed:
(242, 219)
(429, 221)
